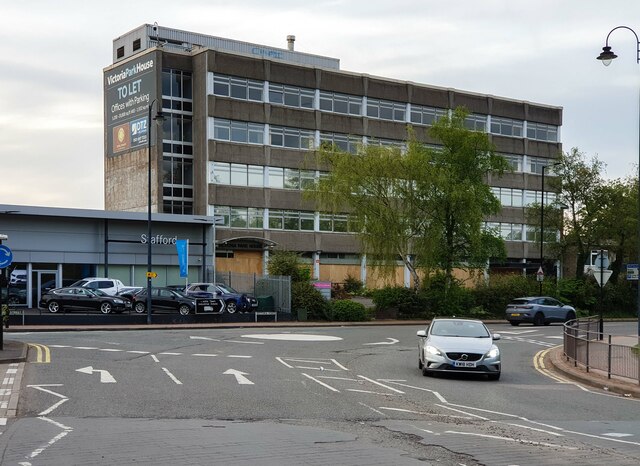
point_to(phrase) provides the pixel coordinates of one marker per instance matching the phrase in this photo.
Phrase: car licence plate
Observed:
(208, 309)
(515, 315)
(464, 364)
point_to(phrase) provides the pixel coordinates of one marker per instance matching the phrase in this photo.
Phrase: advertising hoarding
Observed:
(128, 91)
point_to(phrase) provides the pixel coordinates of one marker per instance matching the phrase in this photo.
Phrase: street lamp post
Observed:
(606, 56)
(544, 167)
(159, 117)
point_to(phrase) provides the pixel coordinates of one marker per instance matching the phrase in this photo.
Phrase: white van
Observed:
(110, 286)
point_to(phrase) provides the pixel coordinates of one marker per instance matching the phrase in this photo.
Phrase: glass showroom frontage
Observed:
(53, 247)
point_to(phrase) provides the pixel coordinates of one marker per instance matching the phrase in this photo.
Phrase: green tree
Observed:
(580, 186)
(423, 205)
(287, 263)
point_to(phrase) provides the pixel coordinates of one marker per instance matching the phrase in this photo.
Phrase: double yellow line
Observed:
(43, 354)
(538, 363)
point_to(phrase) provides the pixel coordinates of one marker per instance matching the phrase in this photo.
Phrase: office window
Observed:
(426, 115)
(237, 131)
(542, 132)
(255, 217)
(136, 45)
(326, 223)
(239, 217)
(255, 175)
(506, 126)
(340, 103)
(386, 110)
(291, 96)
(276, 219)
(219, 173)
(514, 161)
(291, 220)
(238, 174)
(276, 177)
(307, 179)
(292, 138)
(291, 178)
(307, 221)
(341, 141)
(120, 52)
(535, 165)
(237, 88)
(476, 122)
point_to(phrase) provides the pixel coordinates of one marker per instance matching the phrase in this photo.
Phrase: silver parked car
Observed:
(538, 310)
(458, 345)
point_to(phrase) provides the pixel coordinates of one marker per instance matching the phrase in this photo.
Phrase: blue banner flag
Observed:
(182, 245)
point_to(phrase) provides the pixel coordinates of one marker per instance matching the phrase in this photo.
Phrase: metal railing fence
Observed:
(587, 347)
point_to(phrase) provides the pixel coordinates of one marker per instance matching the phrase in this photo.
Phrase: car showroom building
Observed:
(240, 125)
(52, 246)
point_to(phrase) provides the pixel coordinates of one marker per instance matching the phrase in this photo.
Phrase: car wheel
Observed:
(538, 319)
(232, 307)
(495, 376)
(184, 310)
(570, 316)
(54, 306)
(13, 300)
(140, 307)
(106, 308)
(515, 324)
(425, 372)
(420, 365)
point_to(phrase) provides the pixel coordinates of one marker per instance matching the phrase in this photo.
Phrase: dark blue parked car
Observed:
(234, 300)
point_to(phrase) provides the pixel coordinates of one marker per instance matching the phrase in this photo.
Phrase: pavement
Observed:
(16, 351)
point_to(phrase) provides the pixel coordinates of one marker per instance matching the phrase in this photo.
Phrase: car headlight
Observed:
(118, 301)
(493, 353)
(433, 350)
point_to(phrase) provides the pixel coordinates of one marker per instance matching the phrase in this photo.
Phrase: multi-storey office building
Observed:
(242, 121)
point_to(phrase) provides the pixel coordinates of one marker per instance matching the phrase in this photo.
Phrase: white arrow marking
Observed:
(105, 376)
(392, 341)
(204, 338)
(240, 376)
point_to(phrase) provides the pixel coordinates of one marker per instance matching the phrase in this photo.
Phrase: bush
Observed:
(440, 301)
(494, 296)
(352, 284)
(408, 303)
(344, 310)
(305, 296)
(288, 263)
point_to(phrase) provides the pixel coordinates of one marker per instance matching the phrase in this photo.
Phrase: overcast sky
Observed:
(52, 55)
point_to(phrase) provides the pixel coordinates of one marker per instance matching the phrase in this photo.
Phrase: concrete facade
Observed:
(199, 61)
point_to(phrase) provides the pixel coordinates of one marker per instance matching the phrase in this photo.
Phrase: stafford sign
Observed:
(158, 239)
(128, 91)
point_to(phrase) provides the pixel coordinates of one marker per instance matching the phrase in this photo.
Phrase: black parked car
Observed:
(74, 298)
(234, 300)
(163, 299)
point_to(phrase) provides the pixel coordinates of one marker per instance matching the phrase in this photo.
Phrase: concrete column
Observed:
(316, 265)
(363, 269)
(265, 261)
(407, 275)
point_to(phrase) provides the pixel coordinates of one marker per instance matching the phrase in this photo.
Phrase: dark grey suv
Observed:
(538, 310)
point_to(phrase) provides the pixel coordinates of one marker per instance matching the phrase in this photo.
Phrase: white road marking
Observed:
(339, 365)
(424, 430)
(3, 421)
(292, 337)
(204, 354)
(245, 342)
(171, 354)
(548, 432)
(171, 376)
(8, 381)
(557, 337)
(61, 435)
(372, 409)
(51, 392)
(138, 352)
(5, 391)
(338, 378)
(516, 332)
(463, 412)
(203, 338)
(381, 384)
(241, 356)
(12, 371)
(105, 376)
(85, 347)
(279, 359)
(369, 391)
(421, 412)
(440, 397)
(51, 408)
(240, 376)
(320, 382)
(510, 439)
(321, 368)
(59, 346)
(112, 350)
(392, 341)
(155, 358)
(617, 434)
